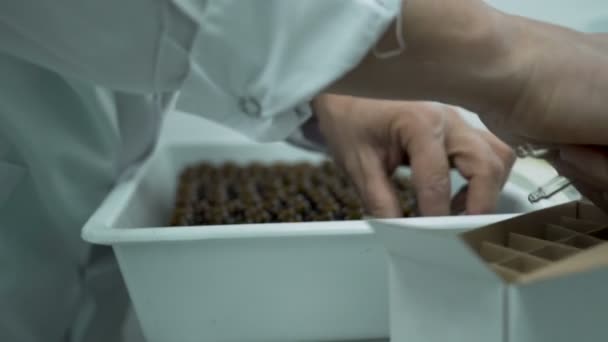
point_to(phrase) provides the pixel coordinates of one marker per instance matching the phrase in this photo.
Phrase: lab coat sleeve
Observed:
(250, 65)
(264, 60)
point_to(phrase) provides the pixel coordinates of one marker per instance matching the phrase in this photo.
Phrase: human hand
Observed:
(369, 139)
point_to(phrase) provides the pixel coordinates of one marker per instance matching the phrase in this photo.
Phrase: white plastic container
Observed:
(271, 282)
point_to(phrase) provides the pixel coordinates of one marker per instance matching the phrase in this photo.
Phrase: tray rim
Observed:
(99, 228)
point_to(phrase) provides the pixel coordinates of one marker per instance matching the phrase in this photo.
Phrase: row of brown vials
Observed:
(257, 193)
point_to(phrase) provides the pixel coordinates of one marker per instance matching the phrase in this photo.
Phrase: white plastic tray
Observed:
(274, 282)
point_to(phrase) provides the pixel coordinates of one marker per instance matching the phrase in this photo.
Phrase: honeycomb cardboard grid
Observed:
(537, 277)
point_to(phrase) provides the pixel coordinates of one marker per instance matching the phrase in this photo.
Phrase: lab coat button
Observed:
(250, 106)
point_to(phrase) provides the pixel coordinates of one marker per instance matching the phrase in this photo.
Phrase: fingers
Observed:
(418, 130)
(372, 182)
(504, 153)
(431, 179)
(483, 193)
(370, 143)
(484, 161)
(486, 174)
(459, 201)
(424, 142)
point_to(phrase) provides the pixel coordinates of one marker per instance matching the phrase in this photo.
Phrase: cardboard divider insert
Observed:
(555, 252)
(589, 212)
(493, 253)
(578, 225)
(601, 234)
(547, 232)
(554, 232)
(517, 247)
(523, 243)
(581, 241)
(524, 263)
(506, 273)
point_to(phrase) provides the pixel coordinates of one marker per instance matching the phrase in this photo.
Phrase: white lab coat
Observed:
(83, 88)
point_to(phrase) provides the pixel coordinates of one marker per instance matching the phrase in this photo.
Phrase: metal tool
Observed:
(555, 184)
(547, 190)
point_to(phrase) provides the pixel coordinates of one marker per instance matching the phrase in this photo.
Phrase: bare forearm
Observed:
(458, 52)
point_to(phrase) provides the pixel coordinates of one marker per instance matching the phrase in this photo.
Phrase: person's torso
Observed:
(63, 144)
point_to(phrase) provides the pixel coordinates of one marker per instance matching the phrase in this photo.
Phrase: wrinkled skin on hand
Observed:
(369, 139)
